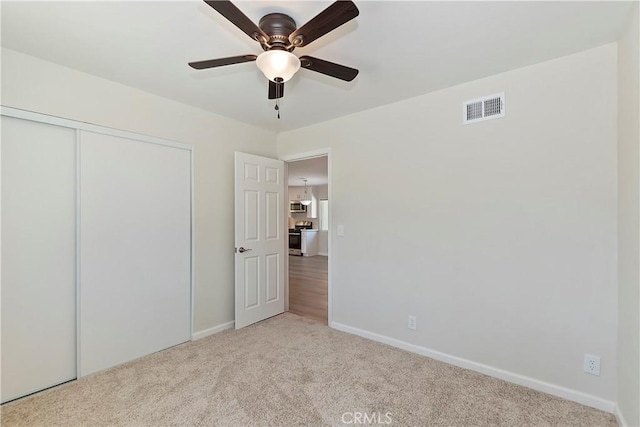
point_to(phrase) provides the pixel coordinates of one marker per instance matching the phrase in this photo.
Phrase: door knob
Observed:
(243, 250)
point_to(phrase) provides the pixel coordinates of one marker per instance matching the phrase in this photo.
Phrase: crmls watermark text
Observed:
(367, 418)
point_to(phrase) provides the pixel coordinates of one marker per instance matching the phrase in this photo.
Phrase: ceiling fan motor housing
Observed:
(278, 26)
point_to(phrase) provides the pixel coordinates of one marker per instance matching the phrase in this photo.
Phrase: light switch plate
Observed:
(340, 230)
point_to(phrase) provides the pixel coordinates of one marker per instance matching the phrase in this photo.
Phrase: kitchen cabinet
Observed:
(296, 194)
(309, 245)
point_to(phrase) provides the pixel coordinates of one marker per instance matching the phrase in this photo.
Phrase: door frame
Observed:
(321, 152)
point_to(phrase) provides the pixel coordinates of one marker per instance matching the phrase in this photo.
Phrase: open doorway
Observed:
(308, 223)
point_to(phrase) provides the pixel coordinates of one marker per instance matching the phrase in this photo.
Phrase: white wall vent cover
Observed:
(485, 108)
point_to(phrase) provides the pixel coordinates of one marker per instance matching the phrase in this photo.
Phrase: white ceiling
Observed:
(402, 49)
(314, 170)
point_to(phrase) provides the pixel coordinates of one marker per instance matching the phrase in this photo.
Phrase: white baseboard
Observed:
(621, 421)
(211, 331)
(555, 390)
(322, 254)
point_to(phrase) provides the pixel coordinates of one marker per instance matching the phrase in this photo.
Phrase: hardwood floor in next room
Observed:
(308, 289)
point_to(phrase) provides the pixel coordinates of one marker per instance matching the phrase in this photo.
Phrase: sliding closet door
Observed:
(135, 249)
(38, 256)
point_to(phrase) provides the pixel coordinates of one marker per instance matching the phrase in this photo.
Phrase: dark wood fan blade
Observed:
(329, 68)
(239, 19)
(211, 63)
(276, 90)
(329, 19)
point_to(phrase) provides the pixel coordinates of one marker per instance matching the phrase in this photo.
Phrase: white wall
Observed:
(32, 84)
(628, 223)
(499, 236)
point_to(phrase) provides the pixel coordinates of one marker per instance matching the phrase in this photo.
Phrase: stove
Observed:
(295, 237)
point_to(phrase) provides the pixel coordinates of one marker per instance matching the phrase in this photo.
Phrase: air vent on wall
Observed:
(485, 108)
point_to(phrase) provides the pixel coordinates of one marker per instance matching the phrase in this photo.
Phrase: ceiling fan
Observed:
(278, 36)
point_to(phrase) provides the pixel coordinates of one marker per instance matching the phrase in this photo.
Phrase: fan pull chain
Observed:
(277, 108)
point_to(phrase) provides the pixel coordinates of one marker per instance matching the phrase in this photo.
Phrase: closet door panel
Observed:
(38, 256)
(135, 249)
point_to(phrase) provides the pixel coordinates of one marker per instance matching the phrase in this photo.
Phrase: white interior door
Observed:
(38, 256)
(135, 249)
(259, 238)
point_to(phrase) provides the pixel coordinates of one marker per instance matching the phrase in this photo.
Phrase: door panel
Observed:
(251, 282)
(38, 256)
(251, 213)
(273, 277)
(135, 249)
(272, 220)
(259, 213)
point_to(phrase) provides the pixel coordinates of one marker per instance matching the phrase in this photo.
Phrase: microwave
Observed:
(297, 207)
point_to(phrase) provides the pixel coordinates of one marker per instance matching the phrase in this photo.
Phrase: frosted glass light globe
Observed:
(278, 64)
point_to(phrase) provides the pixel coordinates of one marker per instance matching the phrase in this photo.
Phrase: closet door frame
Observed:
(82, 126)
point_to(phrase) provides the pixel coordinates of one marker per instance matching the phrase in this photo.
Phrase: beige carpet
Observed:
(290, 371)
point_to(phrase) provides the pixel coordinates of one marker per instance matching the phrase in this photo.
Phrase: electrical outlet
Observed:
(411, 323)
(591, 364)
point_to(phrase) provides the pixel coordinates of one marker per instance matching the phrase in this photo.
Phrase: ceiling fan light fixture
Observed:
(278, 64)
